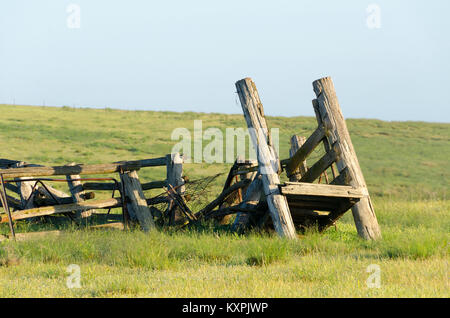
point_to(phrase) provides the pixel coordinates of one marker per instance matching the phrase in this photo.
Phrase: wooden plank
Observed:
(314, 189)
(305, 150)
(268, 161)
(337, 134)
(319, 167)
(63, 208)
(136, 198)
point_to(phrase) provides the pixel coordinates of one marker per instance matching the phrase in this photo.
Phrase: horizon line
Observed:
(212, 113)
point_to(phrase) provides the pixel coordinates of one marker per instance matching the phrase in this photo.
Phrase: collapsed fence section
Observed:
(38, 198)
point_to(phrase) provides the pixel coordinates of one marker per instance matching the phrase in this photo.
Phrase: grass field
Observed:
(406, 166)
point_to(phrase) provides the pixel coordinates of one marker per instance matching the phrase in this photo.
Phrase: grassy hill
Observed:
(405, 165)
(397, 158)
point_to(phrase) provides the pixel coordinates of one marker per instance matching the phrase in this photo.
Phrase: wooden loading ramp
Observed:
(318, 204)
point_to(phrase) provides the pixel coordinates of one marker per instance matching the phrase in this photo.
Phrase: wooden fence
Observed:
(253, 190)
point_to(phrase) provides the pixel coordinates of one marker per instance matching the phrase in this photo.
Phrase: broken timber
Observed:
(267, 158)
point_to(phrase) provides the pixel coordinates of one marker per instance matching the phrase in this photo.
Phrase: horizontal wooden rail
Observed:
(81, 169)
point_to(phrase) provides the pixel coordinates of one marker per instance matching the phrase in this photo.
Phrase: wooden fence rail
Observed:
(82, 169)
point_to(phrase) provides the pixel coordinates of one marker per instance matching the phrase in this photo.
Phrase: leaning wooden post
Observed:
(296, 143)
(135, 195)
(267, 158)
(337, 135)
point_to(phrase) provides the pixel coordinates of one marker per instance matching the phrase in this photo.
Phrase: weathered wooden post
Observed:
(77, 192)
(267, 158)
(137, 203)
(337, 134)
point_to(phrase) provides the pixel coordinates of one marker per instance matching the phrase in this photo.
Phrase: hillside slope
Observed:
(397, 158)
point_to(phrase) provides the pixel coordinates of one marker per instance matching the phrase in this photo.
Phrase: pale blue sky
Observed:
(187, 55)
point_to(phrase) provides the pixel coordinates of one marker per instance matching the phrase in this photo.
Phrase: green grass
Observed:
(405, 165)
